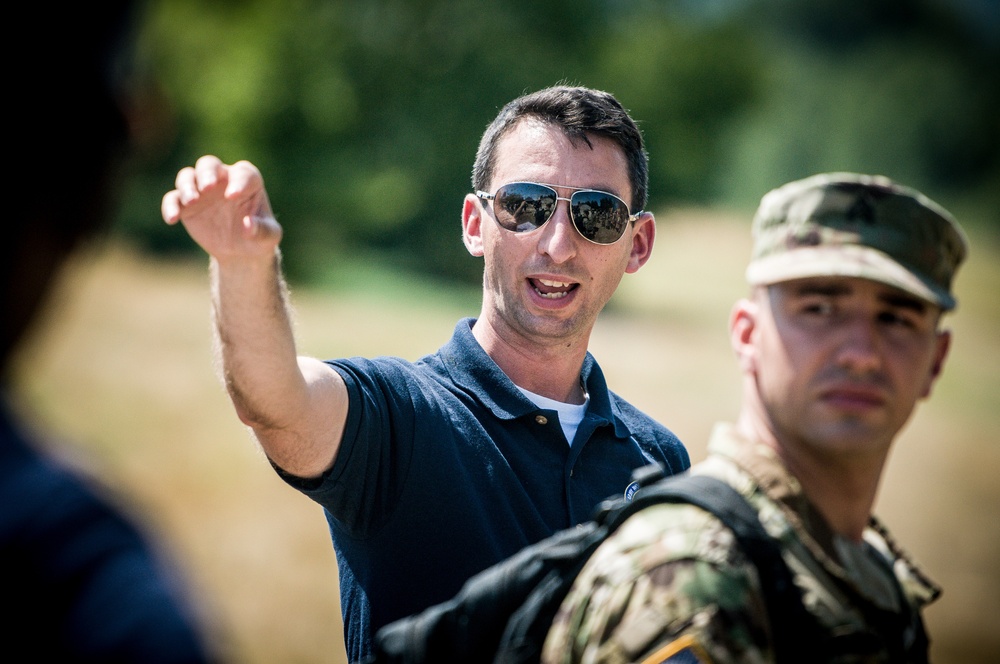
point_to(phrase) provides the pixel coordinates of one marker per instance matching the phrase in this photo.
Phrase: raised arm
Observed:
(296, 406)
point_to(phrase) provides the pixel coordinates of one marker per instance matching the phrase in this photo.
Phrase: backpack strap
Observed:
(796, 635)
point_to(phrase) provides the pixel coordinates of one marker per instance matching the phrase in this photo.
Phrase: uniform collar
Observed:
(770, 474)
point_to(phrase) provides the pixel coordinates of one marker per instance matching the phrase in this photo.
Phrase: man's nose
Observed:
(860, 350)
(559, 237)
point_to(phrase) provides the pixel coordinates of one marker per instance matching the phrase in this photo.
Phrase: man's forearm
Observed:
(255, 344)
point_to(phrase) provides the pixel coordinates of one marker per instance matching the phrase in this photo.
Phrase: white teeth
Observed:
(552, 296)
(553, 284)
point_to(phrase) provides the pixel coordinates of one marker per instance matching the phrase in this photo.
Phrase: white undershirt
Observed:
(570, 414)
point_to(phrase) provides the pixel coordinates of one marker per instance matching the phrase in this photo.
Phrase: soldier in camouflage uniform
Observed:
(838, 340)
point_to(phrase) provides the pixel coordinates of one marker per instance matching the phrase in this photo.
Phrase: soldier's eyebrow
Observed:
(904, 301)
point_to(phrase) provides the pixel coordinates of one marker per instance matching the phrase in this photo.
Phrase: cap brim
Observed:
(844, 261)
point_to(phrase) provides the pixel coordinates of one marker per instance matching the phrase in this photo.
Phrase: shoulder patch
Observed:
(682, 650)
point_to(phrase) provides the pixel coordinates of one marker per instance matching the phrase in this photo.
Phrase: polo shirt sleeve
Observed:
(362, 487)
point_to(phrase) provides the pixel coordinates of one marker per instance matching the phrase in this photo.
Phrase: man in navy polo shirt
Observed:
(430, 471)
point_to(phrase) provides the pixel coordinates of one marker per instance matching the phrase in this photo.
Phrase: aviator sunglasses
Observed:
(598, 216)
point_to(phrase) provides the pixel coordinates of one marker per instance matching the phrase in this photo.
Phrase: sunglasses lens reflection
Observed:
(525, 206)
(599, 217)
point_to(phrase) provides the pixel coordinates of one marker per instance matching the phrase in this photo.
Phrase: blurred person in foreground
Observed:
(839, 339)
(80, 581)
(431, 471)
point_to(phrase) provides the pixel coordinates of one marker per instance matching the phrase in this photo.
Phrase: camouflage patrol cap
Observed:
(847, 224)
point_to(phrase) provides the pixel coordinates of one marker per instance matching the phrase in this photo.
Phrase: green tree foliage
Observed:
(909, 90)
(364, 115)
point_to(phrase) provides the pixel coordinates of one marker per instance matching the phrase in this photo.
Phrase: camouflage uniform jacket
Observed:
(671, 585)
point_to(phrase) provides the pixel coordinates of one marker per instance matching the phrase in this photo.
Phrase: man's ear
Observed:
(742, 324)
(472, 225)
(643, 234)
(942, 345)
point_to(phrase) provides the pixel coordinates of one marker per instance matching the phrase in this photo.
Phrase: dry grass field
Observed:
(121, 375)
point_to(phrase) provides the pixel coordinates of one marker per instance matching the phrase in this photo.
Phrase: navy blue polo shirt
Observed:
(446, 468)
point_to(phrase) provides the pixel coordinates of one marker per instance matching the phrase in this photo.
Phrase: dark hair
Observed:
(579, 112)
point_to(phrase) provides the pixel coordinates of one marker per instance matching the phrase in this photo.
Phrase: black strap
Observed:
(795, 633)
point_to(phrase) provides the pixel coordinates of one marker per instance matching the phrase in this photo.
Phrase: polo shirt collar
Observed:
(475, 372)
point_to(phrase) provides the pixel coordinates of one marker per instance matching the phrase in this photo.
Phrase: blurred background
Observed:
(364, 117)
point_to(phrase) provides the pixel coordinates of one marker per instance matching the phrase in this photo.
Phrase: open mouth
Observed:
(552, 290)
